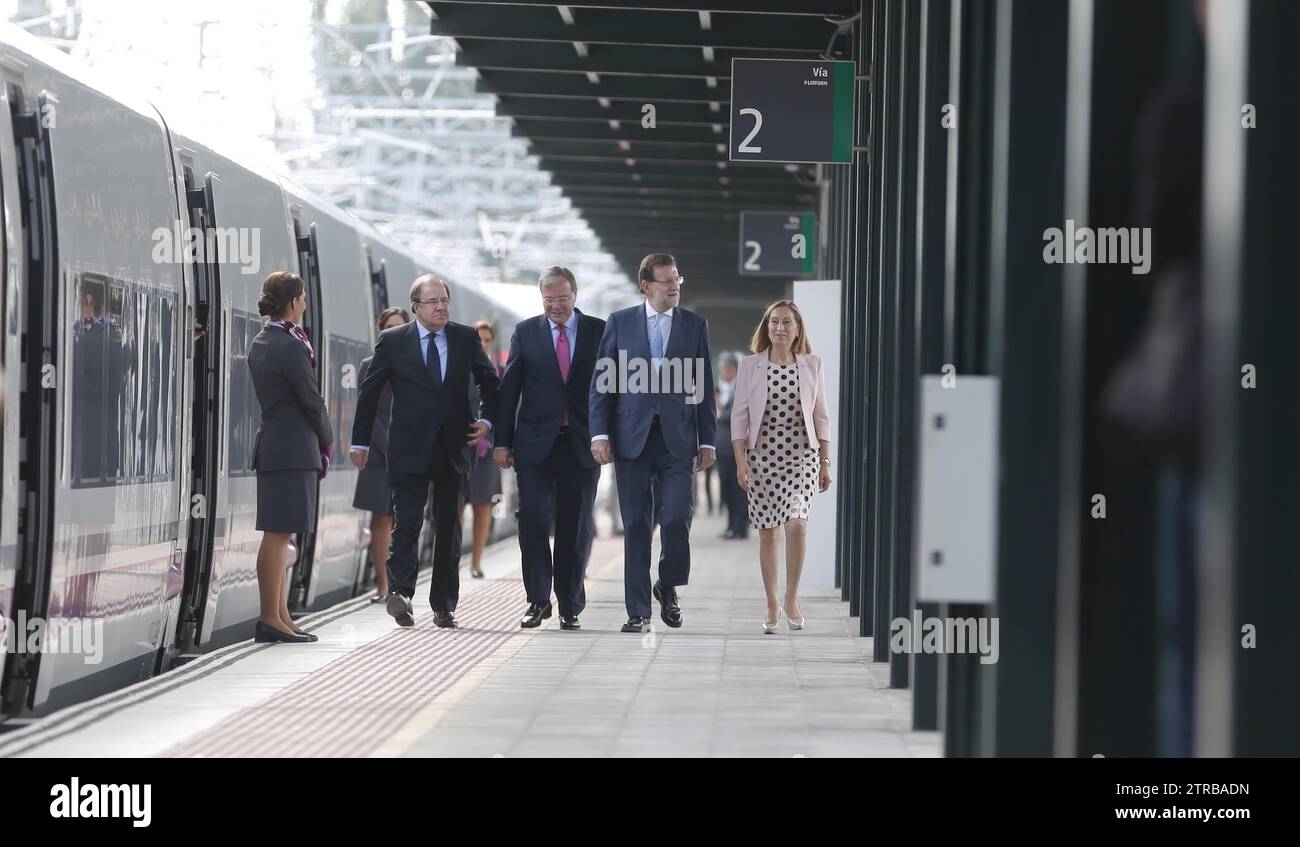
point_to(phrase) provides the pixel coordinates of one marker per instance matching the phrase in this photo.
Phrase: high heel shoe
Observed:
(266, 634)
(794, 624)
(770, 628)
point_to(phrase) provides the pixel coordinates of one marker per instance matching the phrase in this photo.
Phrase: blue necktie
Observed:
(657, 340)
(435, 362)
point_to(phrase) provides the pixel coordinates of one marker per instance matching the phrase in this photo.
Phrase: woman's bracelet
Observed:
(826, 460)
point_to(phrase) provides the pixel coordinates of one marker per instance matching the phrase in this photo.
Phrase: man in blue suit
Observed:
(652, 413)
(546, 385)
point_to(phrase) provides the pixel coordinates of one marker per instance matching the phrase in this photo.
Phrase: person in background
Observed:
(373, 493)
(484, 475)
(292, 449)
(734, 498)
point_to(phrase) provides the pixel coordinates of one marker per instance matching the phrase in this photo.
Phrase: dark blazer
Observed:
(379, 435)
(532, 388)
(421, 412)
(294, 428)
(625, 416)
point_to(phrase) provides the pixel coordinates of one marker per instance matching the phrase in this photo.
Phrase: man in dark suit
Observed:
(429, 363)
(652, 397)
(547, 381)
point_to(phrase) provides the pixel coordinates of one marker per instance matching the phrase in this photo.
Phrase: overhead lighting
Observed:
(708, 54)
(613, 125)
(706, 21)
(566, 14)
(711, 81)
(603, 101)
(581, 48)
(624, 145)
(593, 78)
(715, 106)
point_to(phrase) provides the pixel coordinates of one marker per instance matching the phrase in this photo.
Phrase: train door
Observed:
(199, 596)
(379, 300)
(300, 582)
(31, 320)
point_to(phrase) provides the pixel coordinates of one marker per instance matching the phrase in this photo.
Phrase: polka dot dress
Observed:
(784, 466)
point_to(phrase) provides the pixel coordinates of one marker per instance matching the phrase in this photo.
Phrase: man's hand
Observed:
(502, 457)
(477, 431)
(707, 457)
(359, 457)
(601, 452)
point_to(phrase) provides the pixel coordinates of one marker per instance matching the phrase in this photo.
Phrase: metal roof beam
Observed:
(808, 8)
(632, 27)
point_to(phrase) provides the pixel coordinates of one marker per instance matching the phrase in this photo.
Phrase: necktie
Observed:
(657, 340)
(562, 358)
(435, 362)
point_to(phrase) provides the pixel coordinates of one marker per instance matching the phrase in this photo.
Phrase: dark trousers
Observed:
(735, 498)
(410, 493)
(573, 488)
(655, 487)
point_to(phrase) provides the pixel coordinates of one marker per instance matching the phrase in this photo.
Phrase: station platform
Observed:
(716, 687)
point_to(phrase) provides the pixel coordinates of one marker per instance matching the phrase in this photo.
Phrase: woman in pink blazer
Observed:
(781, 432)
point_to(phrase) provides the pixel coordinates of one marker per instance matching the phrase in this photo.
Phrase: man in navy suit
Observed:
(546, 384)
(652, 413)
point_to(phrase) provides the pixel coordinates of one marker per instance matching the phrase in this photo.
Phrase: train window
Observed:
(89, 378)
(345, 360)
(164, 457)
(122, 391)
(252, 410)
(237, 412)
(150, 335)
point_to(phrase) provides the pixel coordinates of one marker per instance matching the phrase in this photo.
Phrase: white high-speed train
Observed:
(128, 506)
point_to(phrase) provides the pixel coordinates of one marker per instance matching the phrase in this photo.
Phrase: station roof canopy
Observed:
(576, 79)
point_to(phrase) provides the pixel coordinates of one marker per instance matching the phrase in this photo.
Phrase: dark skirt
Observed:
(484, 480)
(286, 501)
(373, 493)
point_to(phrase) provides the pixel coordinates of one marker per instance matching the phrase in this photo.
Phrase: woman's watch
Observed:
(826, 460)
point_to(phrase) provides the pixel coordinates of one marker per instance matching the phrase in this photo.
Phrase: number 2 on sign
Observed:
(751, 264)
(745, 146)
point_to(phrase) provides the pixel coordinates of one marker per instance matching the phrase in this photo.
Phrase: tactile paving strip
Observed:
(352, 704)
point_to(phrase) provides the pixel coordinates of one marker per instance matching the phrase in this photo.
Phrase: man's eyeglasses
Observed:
(436, 301)
(677, 280)
(557, 301)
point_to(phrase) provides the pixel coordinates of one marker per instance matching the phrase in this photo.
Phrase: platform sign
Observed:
(792, 110)
(777, 243)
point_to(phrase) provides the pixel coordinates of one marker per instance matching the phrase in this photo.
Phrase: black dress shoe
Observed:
(307, 635)
(267, 634)
(636, 623)
(399, 607)
(668, 608)
(535, 615)
(569, 622)
(446, 620)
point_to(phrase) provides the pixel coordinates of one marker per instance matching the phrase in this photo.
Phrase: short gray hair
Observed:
(427, 279)
(555, 272)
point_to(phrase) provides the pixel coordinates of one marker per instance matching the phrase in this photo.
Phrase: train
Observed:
(133, 255)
